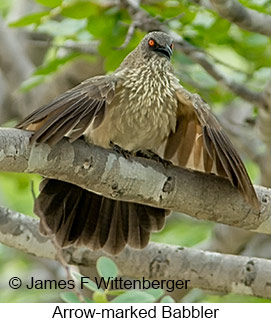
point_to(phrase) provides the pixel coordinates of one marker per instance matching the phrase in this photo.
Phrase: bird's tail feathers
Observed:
(79, 217)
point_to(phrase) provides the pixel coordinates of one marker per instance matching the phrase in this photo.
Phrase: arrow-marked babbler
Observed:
(139, 107)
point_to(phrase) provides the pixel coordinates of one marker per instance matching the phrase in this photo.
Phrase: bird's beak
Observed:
(164, 51)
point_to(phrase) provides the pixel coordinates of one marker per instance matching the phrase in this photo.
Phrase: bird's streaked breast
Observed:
(143, 111)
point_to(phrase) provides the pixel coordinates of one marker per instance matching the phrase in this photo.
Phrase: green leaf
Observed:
(31, 82)
(69, 297)
(134, 296)
(88, 283)
(167, 299)
(50, 3)
(76, 276)
(34, 18)
(106, 268)
(42, 72)
(252, 169)
(79, 9)
(65, 27)
(184, 232)
(54, 64)
(115, 292)
(156, 293)
(88, 300)
(100, 297)
(232, 298)
(15, 191)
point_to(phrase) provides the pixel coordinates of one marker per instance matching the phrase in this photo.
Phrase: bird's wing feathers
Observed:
(72, 112)
(199, 142)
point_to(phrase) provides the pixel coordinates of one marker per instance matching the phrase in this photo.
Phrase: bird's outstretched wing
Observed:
(72, 112)
(72, 214)
(200, 143)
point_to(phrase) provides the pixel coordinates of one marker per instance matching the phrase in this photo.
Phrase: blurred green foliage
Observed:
(16, 191)
(243, 56)
(237, 52)
(188, 232)
(107, 269)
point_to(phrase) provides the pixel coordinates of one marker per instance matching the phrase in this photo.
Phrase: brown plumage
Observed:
(141, 106)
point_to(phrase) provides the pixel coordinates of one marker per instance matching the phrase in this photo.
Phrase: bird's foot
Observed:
(125, 153)
(151, 155)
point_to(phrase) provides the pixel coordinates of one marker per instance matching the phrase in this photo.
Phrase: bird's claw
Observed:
(151, 155)
(125, 153)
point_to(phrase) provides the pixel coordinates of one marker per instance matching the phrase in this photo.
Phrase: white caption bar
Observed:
(187, 312)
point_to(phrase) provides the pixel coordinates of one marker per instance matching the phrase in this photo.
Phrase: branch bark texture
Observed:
(93, 168)
(245, 18)
(207, 270)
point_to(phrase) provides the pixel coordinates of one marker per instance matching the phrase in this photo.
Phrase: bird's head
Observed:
(155, 47)
(157, 43)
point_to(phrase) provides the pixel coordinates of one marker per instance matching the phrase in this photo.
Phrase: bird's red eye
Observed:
(151, 42)
(172, 46)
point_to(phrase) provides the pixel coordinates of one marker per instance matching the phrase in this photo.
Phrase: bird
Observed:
(140, 107)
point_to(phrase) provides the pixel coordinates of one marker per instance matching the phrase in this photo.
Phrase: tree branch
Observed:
(210, 271)
(245, 18)
(143, 20)
(138, 180)
(201, 58)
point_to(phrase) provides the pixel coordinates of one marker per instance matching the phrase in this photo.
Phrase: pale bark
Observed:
(140, 180)
(207, 270)
(242, 16)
